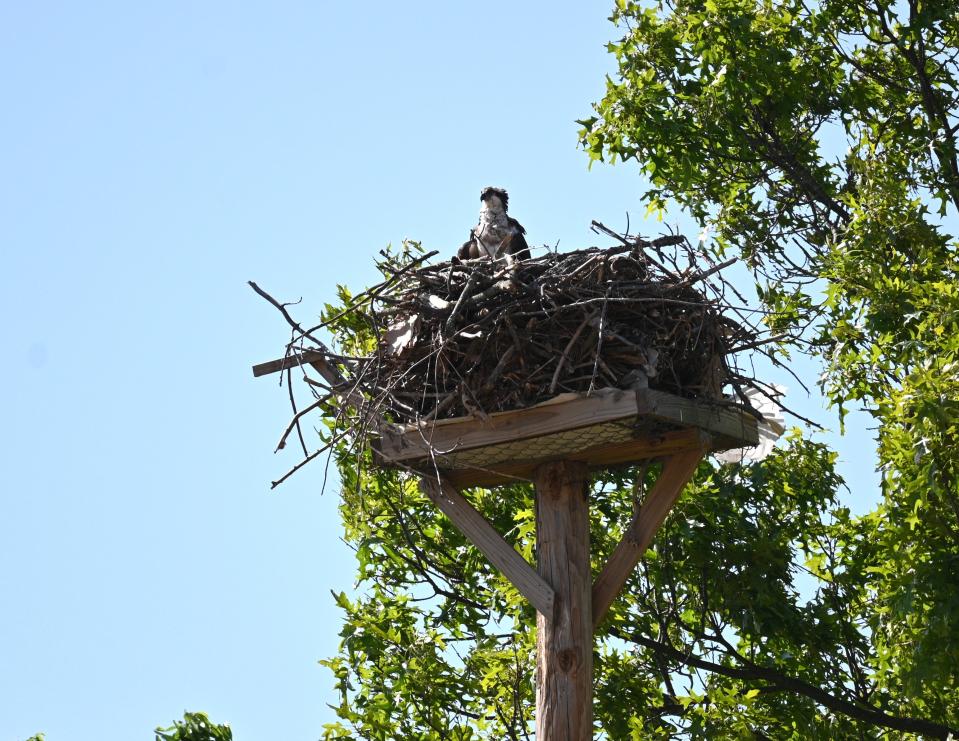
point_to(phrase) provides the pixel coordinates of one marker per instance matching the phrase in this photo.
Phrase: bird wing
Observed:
(469, 246)
(517, 244)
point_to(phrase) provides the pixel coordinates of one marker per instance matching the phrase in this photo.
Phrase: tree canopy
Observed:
(194, 727)
(817, 141)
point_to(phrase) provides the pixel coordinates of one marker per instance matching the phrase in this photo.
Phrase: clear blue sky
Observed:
(153, 158)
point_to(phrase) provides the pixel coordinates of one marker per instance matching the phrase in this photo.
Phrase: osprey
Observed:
(498, 234)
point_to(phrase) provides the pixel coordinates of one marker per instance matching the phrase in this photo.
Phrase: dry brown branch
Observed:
(569, 346)
(475, 337)
(296, 418)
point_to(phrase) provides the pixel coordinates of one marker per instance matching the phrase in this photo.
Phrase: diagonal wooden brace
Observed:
(480, 533)
(677, 470)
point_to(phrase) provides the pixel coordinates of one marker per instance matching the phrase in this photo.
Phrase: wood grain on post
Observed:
(564, 640)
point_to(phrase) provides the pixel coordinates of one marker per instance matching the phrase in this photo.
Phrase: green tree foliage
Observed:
(194, 727)
(817, 141)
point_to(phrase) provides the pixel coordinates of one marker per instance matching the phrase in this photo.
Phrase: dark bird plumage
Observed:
(497, 234)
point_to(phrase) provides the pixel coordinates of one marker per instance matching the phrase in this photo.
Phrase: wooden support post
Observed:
(677, 470)
(480, 533)
(564, 641)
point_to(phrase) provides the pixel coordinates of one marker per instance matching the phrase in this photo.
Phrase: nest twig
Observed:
(469, 338)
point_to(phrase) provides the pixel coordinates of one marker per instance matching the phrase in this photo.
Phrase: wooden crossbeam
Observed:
(293, 360)
(651, 414)
(480, 533)
(677, 470)
(606, 455)
(564, 412)
(318, 361)
(726, 424)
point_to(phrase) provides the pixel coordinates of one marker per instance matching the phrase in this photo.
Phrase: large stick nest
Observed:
(469, 338)
(483, 336)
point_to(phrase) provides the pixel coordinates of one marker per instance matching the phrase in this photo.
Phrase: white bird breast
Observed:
(492, 230)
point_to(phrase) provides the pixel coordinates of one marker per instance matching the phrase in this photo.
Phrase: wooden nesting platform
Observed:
(610, 428)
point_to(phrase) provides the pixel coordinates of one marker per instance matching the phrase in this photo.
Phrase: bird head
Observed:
(494, 198)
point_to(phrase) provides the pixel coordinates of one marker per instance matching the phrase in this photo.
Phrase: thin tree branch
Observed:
(782, 681)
